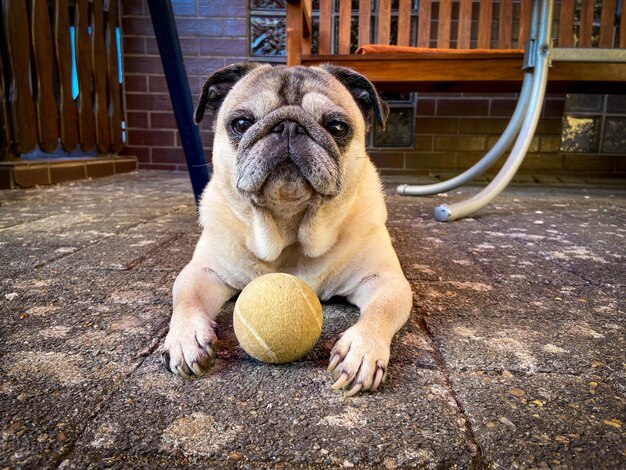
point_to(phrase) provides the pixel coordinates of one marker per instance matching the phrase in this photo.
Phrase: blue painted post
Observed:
(172, 59)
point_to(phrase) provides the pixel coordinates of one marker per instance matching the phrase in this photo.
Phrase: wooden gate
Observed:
(37, 105)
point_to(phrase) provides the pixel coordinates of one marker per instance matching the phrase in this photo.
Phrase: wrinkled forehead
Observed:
(268, 88)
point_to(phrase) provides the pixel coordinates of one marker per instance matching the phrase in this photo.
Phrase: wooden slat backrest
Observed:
(566, 23)
(586, 23)
(423, 23)
(524, 22)
(622, 28)
(45, 101)
(504, 24)
(444, 24)
(345, 23)
(325, 31)
(465, 24)
(365, 18)
(63, 48)
(607, 18)
(404, 23)
(484, 24)
(384, 21)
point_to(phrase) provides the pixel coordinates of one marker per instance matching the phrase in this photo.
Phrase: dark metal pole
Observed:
(172, 59)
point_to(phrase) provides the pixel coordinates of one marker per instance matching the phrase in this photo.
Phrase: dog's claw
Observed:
(189, 351)
(358, 363)
(354, 390)
(378, 378)
(333, 362)
(341, 382)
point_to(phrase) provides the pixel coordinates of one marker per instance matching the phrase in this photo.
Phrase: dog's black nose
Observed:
(288, 128)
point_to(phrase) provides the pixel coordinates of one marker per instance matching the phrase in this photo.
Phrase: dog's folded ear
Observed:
(218, 85)
(363, 93)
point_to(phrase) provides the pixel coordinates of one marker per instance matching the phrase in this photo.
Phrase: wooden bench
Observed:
(460, 45)
(469, 46)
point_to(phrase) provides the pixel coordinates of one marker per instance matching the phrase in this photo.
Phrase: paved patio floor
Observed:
(514, 356)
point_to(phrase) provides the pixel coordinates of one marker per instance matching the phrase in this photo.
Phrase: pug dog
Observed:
(292, 191)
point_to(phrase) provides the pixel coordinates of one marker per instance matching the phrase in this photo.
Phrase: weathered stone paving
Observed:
(514, 356)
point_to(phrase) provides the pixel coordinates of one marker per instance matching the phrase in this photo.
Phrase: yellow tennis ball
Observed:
(277, 318)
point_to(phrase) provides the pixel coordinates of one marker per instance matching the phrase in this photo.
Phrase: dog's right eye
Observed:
(241, 125)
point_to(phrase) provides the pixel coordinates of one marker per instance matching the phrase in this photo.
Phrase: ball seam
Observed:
(255, 334)
(312, 309)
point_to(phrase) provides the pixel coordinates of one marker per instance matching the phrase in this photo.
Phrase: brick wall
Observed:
(212, 34)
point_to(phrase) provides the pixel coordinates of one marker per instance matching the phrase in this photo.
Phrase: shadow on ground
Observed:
(513, 357)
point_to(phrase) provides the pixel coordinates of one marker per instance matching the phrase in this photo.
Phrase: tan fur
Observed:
(339, 246)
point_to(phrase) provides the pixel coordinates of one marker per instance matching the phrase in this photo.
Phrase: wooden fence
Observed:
(37, 106)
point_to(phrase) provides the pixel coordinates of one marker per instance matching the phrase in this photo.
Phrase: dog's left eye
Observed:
(241, 125)
(337, 128)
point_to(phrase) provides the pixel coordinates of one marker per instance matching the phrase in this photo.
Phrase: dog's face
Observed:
(285, 136)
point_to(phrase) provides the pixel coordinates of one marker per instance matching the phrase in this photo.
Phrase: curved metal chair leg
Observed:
(505, 140)
(446, 212)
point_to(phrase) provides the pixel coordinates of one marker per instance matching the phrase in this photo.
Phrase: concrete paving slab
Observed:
(504, 310)
(251, 414)
(544, 420)
(579, 330)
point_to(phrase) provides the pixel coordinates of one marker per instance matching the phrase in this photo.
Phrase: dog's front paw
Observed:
(358, 361)
(189, 348)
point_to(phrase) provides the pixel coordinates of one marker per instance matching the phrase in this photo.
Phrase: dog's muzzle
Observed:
(288, 136)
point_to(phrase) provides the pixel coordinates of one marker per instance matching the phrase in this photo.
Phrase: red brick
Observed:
(425, 107)
(223, 8)
(483, 126)
(189, 46)
(550, 143)
(502, 107)
(142, 153)
(423, 143)
(387, 159)
(553, 107)
(137, 26)
(160, 138)
(203, 66)
(163, 121)
(462, 107)
(542, 162)
(135, 83)
(200, 27)
(143, 64)
(148, 101)
(168, 155)
(133, 7)
(550, 126)
(222, 46)
(436, 125)
(157, 83)
(136, 119)
(134, 45)
(590, 163)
